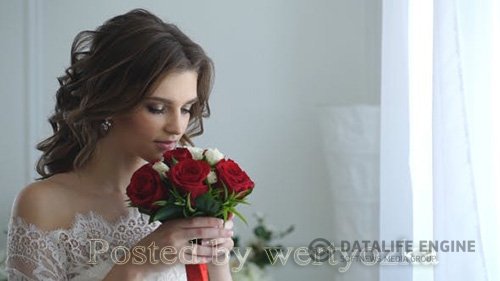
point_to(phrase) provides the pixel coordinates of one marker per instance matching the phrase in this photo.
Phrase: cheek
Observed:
(186, 123)
(140, 125)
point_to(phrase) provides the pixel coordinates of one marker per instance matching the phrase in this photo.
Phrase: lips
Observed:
(166, 145)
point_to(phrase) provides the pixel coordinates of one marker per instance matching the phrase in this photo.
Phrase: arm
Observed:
(124, 273)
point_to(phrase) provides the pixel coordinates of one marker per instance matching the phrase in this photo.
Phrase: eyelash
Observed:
(155, 110)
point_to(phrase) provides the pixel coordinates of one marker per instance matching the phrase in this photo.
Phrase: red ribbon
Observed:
(197, 272)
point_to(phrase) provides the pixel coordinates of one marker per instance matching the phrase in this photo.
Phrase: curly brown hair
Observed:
(112, 70)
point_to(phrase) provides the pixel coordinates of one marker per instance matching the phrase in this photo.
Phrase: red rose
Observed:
(235, 179)
(146, 187)
(178, 154)
(189, 176)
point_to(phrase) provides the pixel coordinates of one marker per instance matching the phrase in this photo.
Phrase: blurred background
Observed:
(310, 97)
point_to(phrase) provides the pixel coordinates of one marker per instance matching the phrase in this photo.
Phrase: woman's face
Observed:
(160, 120)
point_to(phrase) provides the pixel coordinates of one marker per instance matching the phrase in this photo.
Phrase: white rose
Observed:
(213, 156)
(160, 167)
(212, 177)
(196, 152)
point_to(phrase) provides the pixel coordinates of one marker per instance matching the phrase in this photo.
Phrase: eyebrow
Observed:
(167, 101)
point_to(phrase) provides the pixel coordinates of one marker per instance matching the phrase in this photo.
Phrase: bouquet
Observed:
(189, 182)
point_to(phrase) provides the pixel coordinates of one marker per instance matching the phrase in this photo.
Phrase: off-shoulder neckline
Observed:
(89, 216)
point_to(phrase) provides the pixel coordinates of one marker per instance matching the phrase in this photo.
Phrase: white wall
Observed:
(13, 144)
(277, 62)
(396, 213)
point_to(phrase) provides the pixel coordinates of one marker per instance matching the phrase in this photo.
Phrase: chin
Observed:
(152, 158)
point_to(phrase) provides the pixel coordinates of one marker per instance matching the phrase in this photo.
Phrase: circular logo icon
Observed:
(320, 250)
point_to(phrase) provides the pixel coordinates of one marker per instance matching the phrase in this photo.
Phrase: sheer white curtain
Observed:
(452, 94)
(462, 175)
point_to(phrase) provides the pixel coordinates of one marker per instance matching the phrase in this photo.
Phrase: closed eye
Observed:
(186, 110)
(156, 109)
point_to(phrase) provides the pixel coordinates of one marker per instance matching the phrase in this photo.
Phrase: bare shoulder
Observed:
(45, 204)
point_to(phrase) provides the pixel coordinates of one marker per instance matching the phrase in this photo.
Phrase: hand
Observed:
(218, 269)
(175, 237)
(180, 234)
(222, 246)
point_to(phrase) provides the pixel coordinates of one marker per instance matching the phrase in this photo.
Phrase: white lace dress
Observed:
(64, 254)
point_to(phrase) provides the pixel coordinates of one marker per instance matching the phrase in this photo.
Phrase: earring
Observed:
(106, 126)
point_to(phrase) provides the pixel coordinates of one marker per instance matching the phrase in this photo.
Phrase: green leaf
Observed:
(232, 210)
(243, 194)
(225, 191)
(197, 214)
(168, 212)
(207, 204)
(144, 210)
(262, 233)
(188, 205)
(160, 203)
(242, 202)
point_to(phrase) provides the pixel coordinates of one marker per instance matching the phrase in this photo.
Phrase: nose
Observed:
(174, 124)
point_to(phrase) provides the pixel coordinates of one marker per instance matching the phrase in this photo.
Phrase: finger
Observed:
(197, 250)
(223, 250)
(198, 222)
(228, 224)
(207, 233)
(227, 244)
(206, 252)
(211, 242)
(187, 258)
(214, 242)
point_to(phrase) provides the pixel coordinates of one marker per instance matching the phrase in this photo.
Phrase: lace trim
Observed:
(64, 254)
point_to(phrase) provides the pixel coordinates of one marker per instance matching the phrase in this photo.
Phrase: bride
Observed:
(136, 87)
